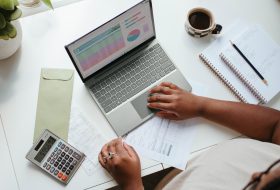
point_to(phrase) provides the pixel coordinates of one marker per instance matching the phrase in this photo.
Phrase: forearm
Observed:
(251, 120)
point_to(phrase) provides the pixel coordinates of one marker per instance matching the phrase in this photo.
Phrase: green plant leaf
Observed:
(15, 14)
(12, 31)
(9, 31)
(7, 4)
(2, 21)
(4, 36)
(16, 2)
(48, 3)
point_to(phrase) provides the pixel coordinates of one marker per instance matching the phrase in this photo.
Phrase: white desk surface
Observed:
(7, 175)
(44, 37)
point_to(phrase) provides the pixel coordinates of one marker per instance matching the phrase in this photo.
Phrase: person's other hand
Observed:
(124, 165)
(173, 102)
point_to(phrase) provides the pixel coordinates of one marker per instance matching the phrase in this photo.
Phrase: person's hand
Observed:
(173, 102)
(123, 164)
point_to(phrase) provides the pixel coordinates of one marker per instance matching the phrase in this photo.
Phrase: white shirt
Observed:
(228, 166)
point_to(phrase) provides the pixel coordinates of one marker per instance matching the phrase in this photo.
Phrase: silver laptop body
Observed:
(119, 62)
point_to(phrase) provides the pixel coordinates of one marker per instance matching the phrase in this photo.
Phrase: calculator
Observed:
(55, 156)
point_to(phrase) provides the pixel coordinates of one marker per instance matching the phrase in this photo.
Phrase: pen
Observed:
(249, 63)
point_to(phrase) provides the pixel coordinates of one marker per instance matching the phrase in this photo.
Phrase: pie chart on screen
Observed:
(133, 35)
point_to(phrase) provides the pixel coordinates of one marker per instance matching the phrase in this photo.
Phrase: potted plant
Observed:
(10, 29)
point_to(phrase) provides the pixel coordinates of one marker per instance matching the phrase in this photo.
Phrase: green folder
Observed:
(54, 102)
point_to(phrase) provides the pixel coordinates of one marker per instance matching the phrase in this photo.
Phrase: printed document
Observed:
(86, 138)
(164, 140)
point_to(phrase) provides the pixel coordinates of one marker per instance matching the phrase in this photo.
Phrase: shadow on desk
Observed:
(150, 181)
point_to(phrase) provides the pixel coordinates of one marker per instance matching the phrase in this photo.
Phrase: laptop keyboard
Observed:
(132, 78)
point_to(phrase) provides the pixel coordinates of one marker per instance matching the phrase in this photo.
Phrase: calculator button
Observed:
(62, 146)
(55, 172)
(59, 159)
(64, 178)
(67, 156)
(45, 164)
(74, 162)
(53, 154)
(70, 151)
(60, 166)
(48, 167)
(59, 175)
(70, 159)
(71, 167)
(52, 161)
(52, 170)
(49, 159)
(63, 161)
(66, 149)
(76, 155)
(56, 164)
(58, 152)
(67, 164)
(55, 149)
(59, 144)
(63, 154)
(68, 172)
(64, 169)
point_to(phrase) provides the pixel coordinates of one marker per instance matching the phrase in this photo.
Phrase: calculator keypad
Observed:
(62, 161)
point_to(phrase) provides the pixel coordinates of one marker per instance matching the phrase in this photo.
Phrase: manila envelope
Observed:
(54, 102)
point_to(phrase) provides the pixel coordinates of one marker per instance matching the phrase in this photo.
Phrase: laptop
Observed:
(119, 62)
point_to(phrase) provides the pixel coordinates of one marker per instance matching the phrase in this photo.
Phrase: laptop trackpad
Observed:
(140, 105)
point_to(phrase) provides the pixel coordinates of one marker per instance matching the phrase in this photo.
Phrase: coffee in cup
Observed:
(200, 22)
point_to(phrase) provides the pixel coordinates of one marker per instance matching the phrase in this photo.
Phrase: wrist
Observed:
(134, 186)
(201, 103)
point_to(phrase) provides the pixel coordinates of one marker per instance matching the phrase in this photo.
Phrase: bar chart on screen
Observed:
(100, 47)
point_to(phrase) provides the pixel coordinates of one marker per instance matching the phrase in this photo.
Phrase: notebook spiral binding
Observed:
(222, 78)
(247, 83)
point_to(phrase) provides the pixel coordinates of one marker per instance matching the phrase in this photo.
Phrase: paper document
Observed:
(86, 138)
(166, 141)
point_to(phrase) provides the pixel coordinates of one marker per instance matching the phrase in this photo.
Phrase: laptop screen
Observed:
(113, 39)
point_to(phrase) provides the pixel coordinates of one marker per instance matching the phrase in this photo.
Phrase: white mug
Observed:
(200, 22)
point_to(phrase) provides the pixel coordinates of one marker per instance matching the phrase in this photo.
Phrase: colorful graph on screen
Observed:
(134, 19)
(100, 47)
(133, 35)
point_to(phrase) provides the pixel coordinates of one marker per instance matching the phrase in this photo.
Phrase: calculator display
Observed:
(45, 149)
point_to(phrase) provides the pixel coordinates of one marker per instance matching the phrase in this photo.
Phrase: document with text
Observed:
(164, 140)
(86, 138)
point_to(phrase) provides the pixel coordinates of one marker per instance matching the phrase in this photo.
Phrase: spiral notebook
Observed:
(224, 60)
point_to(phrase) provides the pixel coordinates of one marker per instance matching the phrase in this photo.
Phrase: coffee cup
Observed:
(200, 22)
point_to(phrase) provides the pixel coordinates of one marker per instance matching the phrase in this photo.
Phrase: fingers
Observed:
(119, 147)
(101, 161)
(167, 115)
(114, 147)
(160, 98)
(102, 157)
(161, 106)
(165, 88)
(169, 85)
(130, 150)
(162, 90)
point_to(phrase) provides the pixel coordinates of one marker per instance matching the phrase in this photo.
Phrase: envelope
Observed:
(54, 102)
